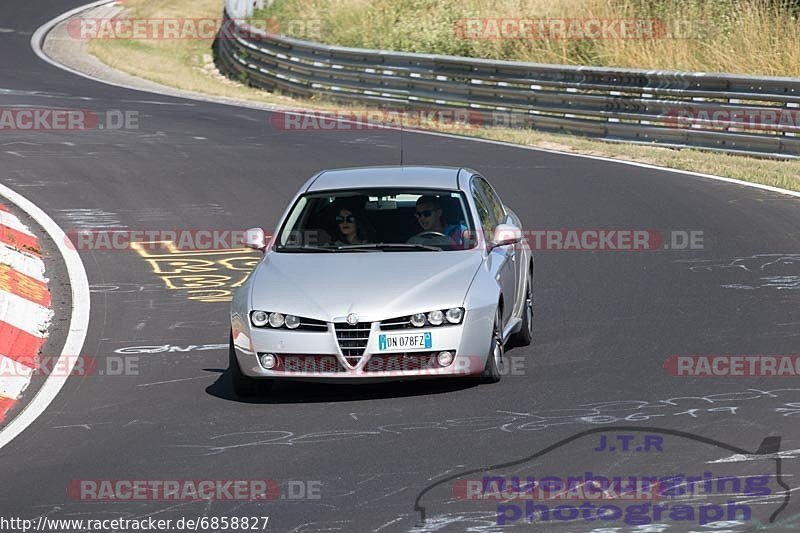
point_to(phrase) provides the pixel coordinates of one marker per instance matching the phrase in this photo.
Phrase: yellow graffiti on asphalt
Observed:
(204, 275)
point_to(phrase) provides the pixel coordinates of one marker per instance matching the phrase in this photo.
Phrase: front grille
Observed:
(400, 362)
(315, 364)
(402, 322)
(353, 340)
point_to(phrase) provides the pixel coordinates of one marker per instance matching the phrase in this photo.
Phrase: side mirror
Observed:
(505, 234)
(254, 238)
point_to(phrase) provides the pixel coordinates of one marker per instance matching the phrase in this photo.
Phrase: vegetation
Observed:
(738, 36)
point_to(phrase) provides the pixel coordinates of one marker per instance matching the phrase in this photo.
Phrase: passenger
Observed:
(430, 218)
(351, 227)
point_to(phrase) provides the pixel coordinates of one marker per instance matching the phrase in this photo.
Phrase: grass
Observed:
(182, 63)
(740, 36)
(186, 64)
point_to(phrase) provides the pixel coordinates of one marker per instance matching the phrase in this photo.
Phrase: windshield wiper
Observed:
(307, 248)
(391, 245)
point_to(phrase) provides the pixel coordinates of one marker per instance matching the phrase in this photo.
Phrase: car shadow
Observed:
(305, 392)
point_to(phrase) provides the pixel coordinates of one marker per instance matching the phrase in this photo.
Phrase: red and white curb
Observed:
(25, 312)
(78, 314)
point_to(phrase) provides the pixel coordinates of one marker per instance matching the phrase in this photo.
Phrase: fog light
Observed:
(444, 358)
(259, 318)
(269, 361)
(418, 320)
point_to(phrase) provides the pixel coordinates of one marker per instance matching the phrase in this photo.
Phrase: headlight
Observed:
(418, 320)
(292, 322)
(259, 318)
(275, 320)
(454, 315)
(436, 318)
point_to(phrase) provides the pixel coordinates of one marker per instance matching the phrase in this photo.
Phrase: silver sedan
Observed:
(384, 273)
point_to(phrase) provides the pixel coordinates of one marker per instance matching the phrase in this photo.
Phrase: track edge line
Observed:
(78, 323)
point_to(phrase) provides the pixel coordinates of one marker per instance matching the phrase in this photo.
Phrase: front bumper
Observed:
(317, 356)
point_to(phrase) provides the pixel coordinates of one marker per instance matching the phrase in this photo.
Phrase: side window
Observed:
(494, 202)
(485, 211)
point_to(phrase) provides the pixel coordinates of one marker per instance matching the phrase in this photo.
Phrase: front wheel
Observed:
(244, 386)
(495, 361)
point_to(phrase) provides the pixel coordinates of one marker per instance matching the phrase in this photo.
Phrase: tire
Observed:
(525, 334)
(245, 386)
(495, 360)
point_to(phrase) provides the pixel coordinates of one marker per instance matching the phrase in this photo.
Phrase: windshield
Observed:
(371, 220)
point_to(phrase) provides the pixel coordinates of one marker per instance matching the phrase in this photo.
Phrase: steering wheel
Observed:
(429, 235)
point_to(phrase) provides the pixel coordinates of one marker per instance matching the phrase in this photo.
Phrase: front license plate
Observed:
(404, 342)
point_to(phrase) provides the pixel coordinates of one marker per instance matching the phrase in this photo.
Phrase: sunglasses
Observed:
(425, 213)
(341, 220)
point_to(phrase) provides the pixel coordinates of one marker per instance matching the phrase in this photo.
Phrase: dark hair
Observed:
(429, 200)
(364, 230)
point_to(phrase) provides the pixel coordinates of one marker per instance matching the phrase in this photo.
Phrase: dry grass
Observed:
(185, 64)
(182, 63)
(742, 36)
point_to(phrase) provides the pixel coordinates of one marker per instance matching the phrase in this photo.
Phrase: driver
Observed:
(429, 215)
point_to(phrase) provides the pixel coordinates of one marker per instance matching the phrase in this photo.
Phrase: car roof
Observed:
(424, 177)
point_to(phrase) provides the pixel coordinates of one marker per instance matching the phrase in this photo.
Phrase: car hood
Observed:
(376, 285)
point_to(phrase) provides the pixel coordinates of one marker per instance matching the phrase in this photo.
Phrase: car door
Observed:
(504, 216)
(501, 260)
(520, 260)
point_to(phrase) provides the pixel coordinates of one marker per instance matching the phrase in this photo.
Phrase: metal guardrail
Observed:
(729, 113)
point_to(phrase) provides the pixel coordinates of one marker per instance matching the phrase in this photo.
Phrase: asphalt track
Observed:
(605, 321)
